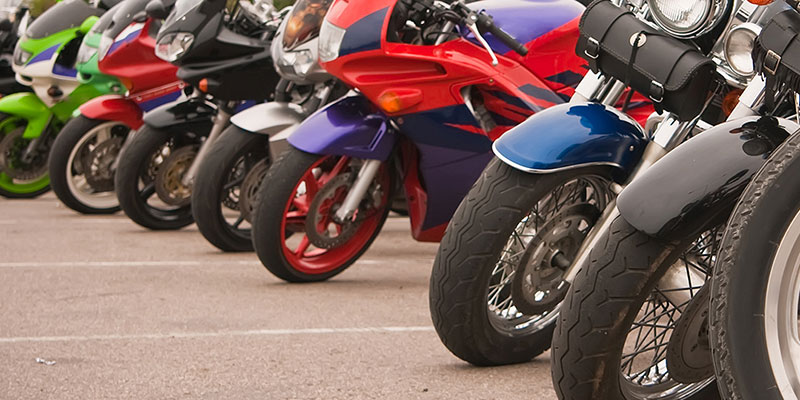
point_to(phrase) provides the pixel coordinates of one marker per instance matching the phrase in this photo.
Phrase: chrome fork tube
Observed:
(220, 122)
(365, 177)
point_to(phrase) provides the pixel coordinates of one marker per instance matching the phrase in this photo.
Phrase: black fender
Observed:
(194, 115)
(696, 186)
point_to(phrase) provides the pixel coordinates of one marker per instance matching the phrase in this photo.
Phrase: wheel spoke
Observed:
(302, 247)
(238, 221)
(337, 169)
(232, 184)
(148, 191)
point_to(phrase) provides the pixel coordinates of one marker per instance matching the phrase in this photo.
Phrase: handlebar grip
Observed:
(486, 23)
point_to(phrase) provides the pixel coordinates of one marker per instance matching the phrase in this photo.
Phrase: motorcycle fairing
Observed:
(571, 136)
(113, 108)
(699, 182)
(364, 34)
(191, 114)
(28, 106)
(349, 126)
(269, 118)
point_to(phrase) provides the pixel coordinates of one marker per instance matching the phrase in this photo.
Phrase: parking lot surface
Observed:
(95, 307)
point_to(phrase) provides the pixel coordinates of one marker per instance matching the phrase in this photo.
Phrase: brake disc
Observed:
(249, 189)
(689, 357)
(12, 146)
(536, 287)
(321, 230)
(169, 179)
(97, 164)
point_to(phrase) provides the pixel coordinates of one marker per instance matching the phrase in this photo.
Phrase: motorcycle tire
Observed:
(466, 268)
(14, 190)
(135, 161)
(741, 329)
(211, 187)
(599, 311)
(62, 163)
(271, 228)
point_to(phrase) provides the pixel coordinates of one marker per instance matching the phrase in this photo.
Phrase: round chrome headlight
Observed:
(739, 48)
(687, 18)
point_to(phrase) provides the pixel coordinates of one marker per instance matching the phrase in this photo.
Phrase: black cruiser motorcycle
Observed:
(224, 56)
(635, 323)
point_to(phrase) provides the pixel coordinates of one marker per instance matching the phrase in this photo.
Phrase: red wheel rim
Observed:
(303, 256)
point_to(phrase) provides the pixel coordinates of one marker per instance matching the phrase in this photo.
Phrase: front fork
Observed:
(668, 134)
(221, 121)
(366, 175)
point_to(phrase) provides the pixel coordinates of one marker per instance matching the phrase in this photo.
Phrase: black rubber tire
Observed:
(467, 255)
(65, 142)
(212, 176)
(273, 195)
(133, 160)
(599, 310)
(740, 279)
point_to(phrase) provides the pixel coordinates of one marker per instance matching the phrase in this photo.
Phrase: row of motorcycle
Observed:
(613, 181)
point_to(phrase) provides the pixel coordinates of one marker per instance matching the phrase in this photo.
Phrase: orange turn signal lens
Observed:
(390, 102)
(203, 85)
(730, 101)
(761, 2)
(396, 100)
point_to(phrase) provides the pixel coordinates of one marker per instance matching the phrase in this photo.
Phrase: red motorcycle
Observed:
(437, 83)
(84, 154)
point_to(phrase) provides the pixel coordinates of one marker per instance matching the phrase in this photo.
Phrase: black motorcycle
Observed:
(224, 57)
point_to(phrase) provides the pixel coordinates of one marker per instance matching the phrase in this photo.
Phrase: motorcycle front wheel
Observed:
(294, 233)
(630, 325)
(493, 296)
(226, 185)
(755, 290)
(82, 162)
(20, 178)
(149, 176)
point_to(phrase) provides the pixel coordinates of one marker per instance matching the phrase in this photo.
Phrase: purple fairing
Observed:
(160, 101)
(526, 20)
(44, 55)
(351, 127)
(448, 175)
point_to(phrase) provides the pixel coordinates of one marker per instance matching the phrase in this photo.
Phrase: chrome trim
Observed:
(716, 10)
(553, 170)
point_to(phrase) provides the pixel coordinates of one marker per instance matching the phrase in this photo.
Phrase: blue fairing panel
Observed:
(573, 135)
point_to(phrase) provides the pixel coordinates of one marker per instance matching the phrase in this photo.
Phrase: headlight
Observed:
(686, 18)
(85, 53)
(739, 48)
(174, 45)
(299, 61)
(330, 41)
(21, 56)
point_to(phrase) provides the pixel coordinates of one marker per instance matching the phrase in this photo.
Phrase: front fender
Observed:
(194, 114)
(113, 108)
(573, 135)
(29, 107)
(697, 185)
(269, 118)
(351, 127)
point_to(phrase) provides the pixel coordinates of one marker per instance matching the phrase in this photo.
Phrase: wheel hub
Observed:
(537, 284)
(249, 189)
(99, 174)
(321, 229)
(689, 357)
(169, 180)
(12, 148)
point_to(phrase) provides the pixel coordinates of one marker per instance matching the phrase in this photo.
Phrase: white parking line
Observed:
(70, 221)
(115, 264)
(194, 335)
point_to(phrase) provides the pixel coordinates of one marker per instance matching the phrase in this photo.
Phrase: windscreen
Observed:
(105, 21)
(124, 15)
(182, 7)
(304, 22)
(64, 15)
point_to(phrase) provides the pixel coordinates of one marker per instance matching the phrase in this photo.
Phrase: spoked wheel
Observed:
(81, 163)
(495, 288)
(634, 325)
(754, 300)
(226, 186)
(295, 233)
(149, 179)
(22, 176)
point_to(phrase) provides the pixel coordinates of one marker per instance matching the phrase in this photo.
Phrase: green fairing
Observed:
(7, 125)
(83, 93)
(29, 107)
(36, 46)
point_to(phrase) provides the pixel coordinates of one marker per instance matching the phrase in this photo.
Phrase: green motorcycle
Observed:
(45, 59)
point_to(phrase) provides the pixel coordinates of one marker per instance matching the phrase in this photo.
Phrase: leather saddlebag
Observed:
(777, 54)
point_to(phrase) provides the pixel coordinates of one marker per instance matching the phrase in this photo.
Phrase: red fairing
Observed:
(136, 64)
(114, 108)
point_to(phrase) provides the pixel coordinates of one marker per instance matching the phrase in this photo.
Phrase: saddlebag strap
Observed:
(776, 55)
(673, 74)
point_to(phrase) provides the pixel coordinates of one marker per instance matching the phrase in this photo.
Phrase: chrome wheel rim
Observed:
(780, 312)
(643, 366)
(76, 177)
(503, 314)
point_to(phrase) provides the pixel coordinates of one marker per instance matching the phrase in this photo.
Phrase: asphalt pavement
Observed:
(95, 307)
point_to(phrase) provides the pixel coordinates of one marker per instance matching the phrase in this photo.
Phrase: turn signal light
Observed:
(393, 101)
(203, 85)
(730, 101)
(761, 2)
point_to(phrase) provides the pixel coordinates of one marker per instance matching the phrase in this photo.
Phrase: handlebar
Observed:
(486, 23)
